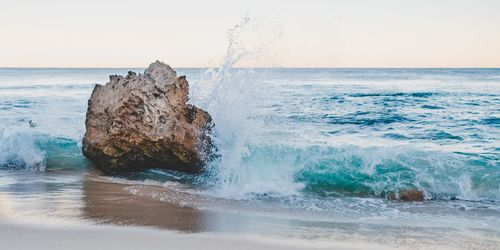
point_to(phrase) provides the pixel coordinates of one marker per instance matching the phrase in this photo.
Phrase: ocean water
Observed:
(324, 145)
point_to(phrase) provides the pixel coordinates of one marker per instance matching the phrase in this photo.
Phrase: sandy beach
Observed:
(15, 236)
(92, 211)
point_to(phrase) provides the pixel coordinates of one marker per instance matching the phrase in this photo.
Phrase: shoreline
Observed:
(14, 235)
(131, 209)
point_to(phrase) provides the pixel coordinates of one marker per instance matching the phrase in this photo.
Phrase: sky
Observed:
(194, 33)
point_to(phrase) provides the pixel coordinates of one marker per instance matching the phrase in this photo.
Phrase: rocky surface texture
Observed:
(411, 195)
(144, 121)
(407, 195)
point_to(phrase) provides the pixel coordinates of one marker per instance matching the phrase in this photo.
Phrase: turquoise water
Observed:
(327, 143)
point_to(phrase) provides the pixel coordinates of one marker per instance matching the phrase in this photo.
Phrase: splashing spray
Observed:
(231, 95)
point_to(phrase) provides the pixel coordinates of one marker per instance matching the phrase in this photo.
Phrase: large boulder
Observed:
(144, 121)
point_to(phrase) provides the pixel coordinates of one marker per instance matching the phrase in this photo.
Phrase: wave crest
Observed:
(19, 151)
(362, 172)
(29, 150)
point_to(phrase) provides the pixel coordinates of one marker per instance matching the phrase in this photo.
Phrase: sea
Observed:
(310, 153)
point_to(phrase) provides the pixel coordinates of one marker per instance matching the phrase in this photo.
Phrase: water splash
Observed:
(251, 164)
(29, 149)
(19, 151)
(232, 96)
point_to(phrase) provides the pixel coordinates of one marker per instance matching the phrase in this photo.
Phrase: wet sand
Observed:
(67, 210)
(23, 236)
(110, 203)
(122, 220)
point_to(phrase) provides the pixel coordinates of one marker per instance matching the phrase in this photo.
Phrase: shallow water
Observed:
(309, 153)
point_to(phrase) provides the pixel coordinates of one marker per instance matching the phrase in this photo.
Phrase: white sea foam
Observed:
(6, 181)
(250, 163)
(19, 150)
(232, 97)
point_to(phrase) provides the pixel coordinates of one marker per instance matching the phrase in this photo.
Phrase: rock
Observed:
(408, 195)
(143, 121)
(411, 195)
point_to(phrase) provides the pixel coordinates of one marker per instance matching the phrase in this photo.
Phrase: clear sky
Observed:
(193, 33)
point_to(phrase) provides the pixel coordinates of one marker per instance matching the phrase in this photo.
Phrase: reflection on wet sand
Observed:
(41, 197)
(87, 196)
(157, 206)
(106, 202)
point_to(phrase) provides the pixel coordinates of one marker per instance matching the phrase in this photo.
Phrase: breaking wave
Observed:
(250, 165)
(29, 150)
